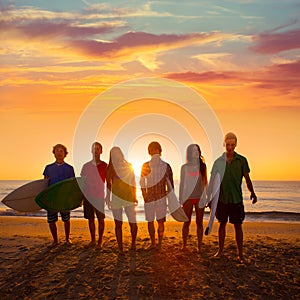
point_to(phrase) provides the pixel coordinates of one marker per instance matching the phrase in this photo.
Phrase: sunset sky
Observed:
(242, 57)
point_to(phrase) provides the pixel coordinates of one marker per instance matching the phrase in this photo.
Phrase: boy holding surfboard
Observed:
(230, 205)
(55, 172)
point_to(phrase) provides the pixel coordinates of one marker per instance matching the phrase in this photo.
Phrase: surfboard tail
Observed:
(179, 215)
(207, 231)
(203, 200)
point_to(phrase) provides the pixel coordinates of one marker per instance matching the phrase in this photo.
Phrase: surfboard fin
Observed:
(207, 231)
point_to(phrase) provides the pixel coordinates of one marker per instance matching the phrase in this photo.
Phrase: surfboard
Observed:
(175, 208)
(23, 198)
(214, 202)
(62, 196)
(203, 200)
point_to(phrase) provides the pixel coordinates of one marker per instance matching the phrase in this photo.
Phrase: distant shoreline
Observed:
(276, 203)
(271, 216)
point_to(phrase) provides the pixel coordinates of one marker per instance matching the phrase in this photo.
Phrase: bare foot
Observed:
(132, 248)
(54, 244)
(68, 242)
(99, 245)
(121, 252)
(240, 260)
(151, 247)
(199, 247)
(184, 248)
(218, 254)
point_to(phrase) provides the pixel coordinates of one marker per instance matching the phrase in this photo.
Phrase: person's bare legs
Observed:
(151, 230)
(67, 226)
(101, 226)
(92, 229)
(160, 232)
(239, 241)
(199, 222)
(133, 230)
(188, 209)
(53, 230)
(118, 232)
(185, 233)
(222, 234)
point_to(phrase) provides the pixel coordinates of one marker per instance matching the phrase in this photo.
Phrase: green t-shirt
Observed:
(231, 186)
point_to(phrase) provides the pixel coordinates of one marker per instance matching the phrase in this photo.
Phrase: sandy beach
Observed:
(31, 270)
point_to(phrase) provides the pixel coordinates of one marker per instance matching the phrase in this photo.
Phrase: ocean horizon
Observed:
(278, 201)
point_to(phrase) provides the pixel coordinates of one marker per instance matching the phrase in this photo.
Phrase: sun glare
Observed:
(137, 167)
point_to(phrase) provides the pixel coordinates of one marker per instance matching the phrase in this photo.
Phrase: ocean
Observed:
(278, 201)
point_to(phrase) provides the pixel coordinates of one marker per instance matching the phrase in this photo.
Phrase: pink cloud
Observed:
(270, 43)
(281, 76)
(202, 77)
(140, 41)
(284, 77)
(289, 70)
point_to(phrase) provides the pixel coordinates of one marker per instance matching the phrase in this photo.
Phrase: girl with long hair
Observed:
(193, 179)
(121, 194)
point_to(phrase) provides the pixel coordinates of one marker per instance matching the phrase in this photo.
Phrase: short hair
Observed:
(154, 146)
(60, 146)
(97, 144)
(230, 136)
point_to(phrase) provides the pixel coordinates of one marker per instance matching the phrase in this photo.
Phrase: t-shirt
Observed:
(58, 172)
(231, 186)
(94, 179)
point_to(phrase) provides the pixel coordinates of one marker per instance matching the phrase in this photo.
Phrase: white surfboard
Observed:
(175, 208)
(214, 202)
(23, 198)
(203, 200)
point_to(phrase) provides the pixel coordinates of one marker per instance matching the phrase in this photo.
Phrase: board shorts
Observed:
(156, 210)
(235, 213)
(89, 210)
(52, 216)
(129, 211)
